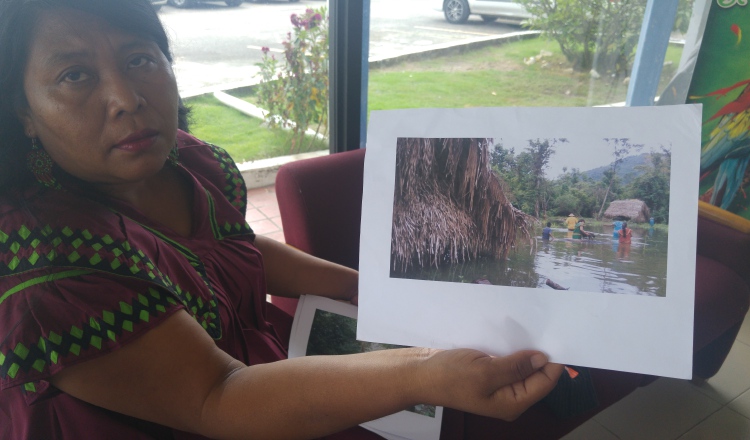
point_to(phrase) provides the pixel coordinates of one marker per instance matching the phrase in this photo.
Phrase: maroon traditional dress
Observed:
(81, 276)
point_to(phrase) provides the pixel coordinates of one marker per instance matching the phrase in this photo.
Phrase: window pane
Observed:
(217, 46)
(492, 53)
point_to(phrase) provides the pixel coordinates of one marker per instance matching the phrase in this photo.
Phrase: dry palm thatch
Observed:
(448, 204)
(631, 209)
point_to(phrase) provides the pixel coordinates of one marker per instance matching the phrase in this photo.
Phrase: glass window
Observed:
(466, 53)
(217, 47)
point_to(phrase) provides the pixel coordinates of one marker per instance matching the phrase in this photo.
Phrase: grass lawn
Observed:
(497, 76)
(243, 137)
(494, 76)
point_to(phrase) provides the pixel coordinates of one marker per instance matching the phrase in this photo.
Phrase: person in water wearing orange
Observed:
(625, 234)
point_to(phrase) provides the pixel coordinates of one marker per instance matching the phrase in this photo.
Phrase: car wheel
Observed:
(233, 3)
(180, 3)
(456, 11)
(489, 18)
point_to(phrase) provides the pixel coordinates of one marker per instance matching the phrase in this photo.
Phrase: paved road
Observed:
(216, 46)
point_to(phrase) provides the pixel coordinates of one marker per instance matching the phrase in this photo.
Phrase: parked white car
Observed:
(458, 11)
(189, 3)
(157, 4)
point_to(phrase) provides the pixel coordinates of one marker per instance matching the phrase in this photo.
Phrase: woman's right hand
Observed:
(500, 387)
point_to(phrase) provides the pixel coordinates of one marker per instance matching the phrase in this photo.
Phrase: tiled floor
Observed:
(677, 409)
(666, 409)
(263, 213)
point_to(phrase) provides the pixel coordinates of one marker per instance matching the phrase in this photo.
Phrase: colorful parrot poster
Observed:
(721, 82)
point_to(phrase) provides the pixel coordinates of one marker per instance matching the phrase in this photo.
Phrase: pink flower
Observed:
(295, 20)
(265, 50)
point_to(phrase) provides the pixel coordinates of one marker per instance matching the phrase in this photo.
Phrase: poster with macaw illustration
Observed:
(721, 82)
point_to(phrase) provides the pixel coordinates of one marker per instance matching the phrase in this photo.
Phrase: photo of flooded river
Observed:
(600, 264)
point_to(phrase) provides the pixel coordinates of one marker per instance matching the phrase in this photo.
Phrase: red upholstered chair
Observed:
(722, 287)
(320, 203)
(321, 200)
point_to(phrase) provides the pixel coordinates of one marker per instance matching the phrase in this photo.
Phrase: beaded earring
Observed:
(40, 164)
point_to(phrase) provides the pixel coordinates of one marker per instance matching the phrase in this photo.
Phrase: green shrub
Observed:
(596, 34)
(295, 90)
(566, 204)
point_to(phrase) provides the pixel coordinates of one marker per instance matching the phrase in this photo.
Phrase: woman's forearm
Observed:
(291, 273)
(314, 396)
(175, 375)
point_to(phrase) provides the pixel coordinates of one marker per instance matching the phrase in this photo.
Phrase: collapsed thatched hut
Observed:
(631, 209)
(448, 204)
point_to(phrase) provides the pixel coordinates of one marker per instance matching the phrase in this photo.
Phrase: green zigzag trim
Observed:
(212, 217)
(234, 189)
(43, 279)
(67, 249)
(90, 333)
(227, 229)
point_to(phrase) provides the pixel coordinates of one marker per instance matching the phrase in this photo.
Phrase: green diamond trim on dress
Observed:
(109, 256)
(234, 188)
(24, 232)
(74, 252)
(90, 334)
(234, 191)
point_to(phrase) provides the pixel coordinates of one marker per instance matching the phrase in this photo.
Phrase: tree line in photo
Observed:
(630, 175)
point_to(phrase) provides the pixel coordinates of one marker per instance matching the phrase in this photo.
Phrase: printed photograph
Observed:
(554, 213)
(334, 334)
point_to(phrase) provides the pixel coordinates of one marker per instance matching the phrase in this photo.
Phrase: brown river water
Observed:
(596, 265)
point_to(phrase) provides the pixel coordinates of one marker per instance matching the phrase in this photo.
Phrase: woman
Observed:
(133, 301)
(616, 227)
(625, 234)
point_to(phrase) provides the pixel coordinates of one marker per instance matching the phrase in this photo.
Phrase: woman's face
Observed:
(102, 102)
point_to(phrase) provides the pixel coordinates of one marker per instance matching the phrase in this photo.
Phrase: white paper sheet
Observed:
(626, 332)
(404, 424)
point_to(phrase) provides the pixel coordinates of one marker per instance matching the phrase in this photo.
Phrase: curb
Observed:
(452, 48)
(262, 172)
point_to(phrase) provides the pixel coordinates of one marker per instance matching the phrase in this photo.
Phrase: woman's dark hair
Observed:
(17, 21)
